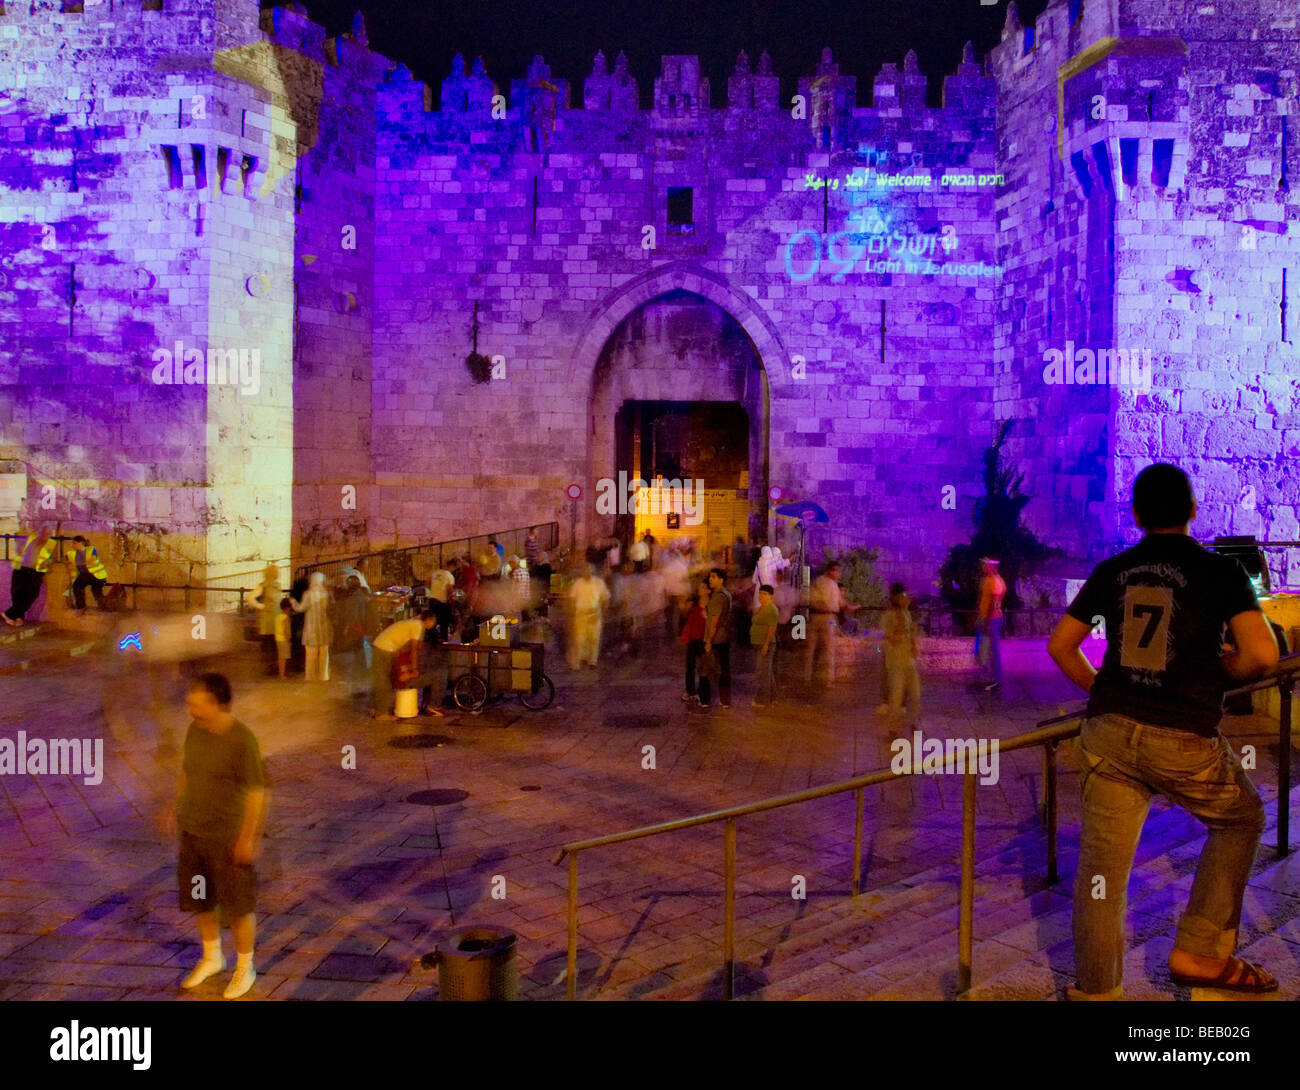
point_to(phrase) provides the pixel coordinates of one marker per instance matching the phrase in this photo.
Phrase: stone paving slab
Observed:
(357, 882)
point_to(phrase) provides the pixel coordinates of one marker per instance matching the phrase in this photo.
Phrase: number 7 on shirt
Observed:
(1145, 641)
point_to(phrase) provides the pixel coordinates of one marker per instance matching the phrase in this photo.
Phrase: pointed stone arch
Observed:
(769, 361)
(679, 276)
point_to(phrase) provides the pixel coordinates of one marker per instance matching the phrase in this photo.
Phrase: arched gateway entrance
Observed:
(680, 400)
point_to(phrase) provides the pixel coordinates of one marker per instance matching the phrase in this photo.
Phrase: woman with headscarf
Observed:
(266, 601)
(317, 631)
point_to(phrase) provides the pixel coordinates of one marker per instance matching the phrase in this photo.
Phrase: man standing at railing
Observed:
(1153, 728)
(29, 573)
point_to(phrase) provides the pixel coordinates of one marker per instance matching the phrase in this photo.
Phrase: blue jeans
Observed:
(988, 644)
(1122, 764)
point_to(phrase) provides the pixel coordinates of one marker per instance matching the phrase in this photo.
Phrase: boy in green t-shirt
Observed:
(762, 636)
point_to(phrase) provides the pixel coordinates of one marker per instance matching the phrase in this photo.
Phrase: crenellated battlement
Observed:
(1118, 174)
(682, 92)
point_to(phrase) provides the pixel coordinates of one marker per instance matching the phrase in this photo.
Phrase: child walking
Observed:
(283, 642)
(900, 659)
(762, 637)
(692, 638)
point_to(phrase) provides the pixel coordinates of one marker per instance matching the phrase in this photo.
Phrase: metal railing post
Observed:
(729, 912)
(857, 843)
(1049, 800)
(966, 932)
(571, 974)
(1285, 690)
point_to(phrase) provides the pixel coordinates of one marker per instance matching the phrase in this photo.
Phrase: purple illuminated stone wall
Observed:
(139, 210)
(348, 228)
(542, 217)
(1152, 207)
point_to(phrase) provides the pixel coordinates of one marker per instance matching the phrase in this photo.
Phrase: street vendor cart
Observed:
(491, 667)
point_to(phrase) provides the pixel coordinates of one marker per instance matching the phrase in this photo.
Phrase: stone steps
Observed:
(899, 941)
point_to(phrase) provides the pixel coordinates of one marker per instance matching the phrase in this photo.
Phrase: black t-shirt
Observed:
(1166, 603)
(219, 770)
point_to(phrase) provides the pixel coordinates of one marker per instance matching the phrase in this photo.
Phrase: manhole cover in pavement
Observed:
(419, 741)
(632, 722)
(443, 796)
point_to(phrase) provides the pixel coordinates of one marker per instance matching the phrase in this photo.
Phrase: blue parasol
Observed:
(804, 511)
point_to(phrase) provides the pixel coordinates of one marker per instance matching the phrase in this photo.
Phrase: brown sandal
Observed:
(1250, 978)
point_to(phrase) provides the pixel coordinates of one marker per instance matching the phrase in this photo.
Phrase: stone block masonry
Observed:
(885, 278)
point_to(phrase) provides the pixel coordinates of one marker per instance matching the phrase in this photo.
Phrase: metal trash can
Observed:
(476, 964)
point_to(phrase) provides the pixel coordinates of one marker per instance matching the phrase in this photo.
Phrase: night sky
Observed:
(863, 35)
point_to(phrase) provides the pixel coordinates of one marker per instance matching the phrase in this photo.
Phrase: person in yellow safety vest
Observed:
(29, 573)
(90, 573)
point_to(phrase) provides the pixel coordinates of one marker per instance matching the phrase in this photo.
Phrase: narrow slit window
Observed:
(200, 155)
(246, 167)
(1080, 165)
(681, 210)
(172, 164)
(1162, 162)
(223, 166)
(1101, 155)
(1128, 160)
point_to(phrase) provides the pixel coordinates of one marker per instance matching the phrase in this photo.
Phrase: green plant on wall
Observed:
(998, 533)
(862, 586)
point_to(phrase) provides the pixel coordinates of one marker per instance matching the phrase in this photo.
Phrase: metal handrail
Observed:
(553, 537)
(208, 587)
(58, 539)
(1048, 733)
(186, 587)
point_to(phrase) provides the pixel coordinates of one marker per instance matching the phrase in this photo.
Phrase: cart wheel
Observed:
(540, 697)
(469, 692)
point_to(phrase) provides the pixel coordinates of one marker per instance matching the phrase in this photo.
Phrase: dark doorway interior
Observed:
(701, 440)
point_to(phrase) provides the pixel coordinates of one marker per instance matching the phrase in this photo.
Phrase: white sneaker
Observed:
(240, 983)
(207, 967)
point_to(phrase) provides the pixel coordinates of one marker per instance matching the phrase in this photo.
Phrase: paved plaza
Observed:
(358, 882)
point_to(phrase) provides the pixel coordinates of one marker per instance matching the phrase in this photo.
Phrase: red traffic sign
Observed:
(775, 493)
(574, 491)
